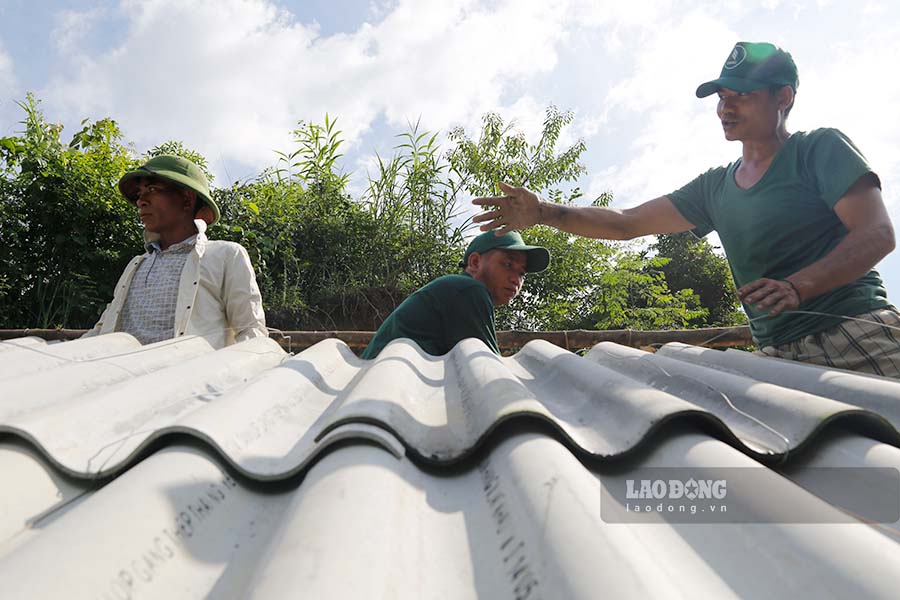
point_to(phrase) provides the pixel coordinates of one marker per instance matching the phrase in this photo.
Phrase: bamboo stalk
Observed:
(577, 339)
(51, 335)
(715, 337)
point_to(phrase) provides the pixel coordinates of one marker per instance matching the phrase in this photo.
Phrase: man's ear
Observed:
(474, 262)
(206, 213)
(786, 97)
(198, 208)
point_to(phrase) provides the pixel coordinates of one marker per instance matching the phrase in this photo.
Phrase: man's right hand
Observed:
(518, 209)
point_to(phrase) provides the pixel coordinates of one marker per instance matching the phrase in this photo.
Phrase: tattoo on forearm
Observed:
(554, 214)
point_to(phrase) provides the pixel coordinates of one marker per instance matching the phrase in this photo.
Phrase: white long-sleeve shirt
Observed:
(218, 297)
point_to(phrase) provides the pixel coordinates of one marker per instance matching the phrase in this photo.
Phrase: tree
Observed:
(692, 264)
(65, 230)
(178, 148)
(503, 154)
(323, 258)
(590, 284)
(326, 260)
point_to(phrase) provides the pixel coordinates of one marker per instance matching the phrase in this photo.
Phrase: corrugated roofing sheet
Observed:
(176, 471)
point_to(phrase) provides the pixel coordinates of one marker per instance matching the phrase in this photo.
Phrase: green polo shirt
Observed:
(783, 223)
(439, 315)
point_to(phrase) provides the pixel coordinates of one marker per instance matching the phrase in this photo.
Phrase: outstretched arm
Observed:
(521, 209)
(870, 238)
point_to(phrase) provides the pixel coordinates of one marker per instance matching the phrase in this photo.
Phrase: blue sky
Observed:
(231, 78)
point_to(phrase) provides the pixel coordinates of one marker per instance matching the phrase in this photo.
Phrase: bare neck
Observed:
(758, 153)
(176, 234)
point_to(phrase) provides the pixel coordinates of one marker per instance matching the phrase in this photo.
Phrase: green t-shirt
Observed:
(439, 315)
(783, 223)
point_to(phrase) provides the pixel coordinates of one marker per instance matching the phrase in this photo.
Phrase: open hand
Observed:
(519, 209)
(775, 294)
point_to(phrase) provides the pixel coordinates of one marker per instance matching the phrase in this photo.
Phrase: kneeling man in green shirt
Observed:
(455, 307)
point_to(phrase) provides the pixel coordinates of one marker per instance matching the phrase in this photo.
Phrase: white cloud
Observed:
(7, 71)
(850, 91)
(668, 135)
(9, 112)
(72, 29)
(628, 14)
(231, 78)
(875, 10)
(378, 9)
(197, 72)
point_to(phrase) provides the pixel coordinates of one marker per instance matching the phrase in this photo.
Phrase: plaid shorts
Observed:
(867, 347)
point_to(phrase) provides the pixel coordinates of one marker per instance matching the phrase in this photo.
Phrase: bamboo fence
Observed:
(577, 339)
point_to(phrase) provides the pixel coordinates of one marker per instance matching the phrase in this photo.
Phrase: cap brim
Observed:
(738, 84)
(538, 257)
(127, 182)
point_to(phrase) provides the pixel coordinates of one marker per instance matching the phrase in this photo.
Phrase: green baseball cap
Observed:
(175, 169)
(537, 260)
(752, 66)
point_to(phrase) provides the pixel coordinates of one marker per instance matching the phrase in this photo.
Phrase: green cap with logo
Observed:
(175, 169)
(538, 257)
(752, 66)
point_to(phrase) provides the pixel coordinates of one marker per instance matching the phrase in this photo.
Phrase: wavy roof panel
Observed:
(175, 471)
(267, 412)
(524, 522)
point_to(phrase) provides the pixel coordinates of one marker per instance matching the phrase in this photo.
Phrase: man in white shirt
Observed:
(185, 284)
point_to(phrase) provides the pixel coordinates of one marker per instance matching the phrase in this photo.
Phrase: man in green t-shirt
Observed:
(800, 216)
(455, 307)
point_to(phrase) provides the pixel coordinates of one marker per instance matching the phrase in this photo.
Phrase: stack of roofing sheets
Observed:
(175, 471)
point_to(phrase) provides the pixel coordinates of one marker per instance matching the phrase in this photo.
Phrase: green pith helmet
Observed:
(538, 257)
(175, 169)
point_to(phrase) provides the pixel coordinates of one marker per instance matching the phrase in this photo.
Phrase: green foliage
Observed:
(563, 296)
(503, 154)
(65, 230)
(633, 293)
(326, 260)
(415, 200)
(590, 284)
(314, 162)
(177, 148)
(692, 264)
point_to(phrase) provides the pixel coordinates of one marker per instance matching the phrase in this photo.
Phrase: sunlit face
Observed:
(502, 271)
(161, 205)
(748, 115)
